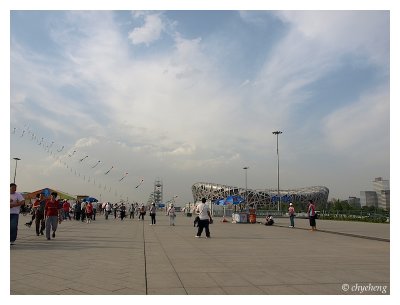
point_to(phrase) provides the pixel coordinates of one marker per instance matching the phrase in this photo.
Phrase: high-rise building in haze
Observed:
(382, 189)
(379, 197)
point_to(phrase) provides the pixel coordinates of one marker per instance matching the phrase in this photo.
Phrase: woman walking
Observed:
(153, 214)
(142, 212)
(291, 215)
(312, 215)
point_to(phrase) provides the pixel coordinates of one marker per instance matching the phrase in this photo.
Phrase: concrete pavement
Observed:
(130, 257)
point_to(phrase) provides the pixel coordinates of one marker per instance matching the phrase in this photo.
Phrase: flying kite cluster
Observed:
(77, 162)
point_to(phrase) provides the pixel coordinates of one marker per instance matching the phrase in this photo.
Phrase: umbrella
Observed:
(90, 199)
(220, 202)
(233, 200)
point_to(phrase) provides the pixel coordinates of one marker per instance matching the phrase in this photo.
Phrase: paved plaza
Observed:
(130, 257)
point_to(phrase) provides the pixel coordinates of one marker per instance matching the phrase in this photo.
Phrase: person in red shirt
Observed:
(52, 212)
(291, 215)
(66, 207)
(89, 211)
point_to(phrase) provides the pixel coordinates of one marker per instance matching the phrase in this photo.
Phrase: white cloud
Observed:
(359, 127)
(313, 47)
(149, 32)
(358, 32)
(185, 149)
(86, 142)
(173, 110)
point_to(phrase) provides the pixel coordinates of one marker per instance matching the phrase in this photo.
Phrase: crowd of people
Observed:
(49, 212)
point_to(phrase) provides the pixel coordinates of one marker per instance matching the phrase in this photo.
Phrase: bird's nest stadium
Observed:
(268, 197)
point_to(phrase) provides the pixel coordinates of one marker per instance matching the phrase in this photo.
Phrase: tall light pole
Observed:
(277, 133)
(16, 162)
(245, 171)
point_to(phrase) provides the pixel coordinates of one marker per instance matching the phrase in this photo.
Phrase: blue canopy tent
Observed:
(90, 199)
(234, 200)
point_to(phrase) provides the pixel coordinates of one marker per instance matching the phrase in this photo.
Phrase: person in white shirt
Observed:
(205, 216)
(83, 211)
(16, 200)
(152, 210)
(171, 213)
(107, 210)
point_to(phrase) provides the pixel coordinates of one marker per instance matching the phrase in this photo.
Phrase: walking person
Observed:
(153, 214)
(16, 201)
(39, 216)
(142, 212)
(52, 212)
(171, 213)
(291, 215)
(205, 217)
(137, 209)
(77, 210)
(33, 212)
(122, 211)
(83, 211)
(95, 205)
(89, 212)
(107, 209)
(66, 207)
(132, 211)
(312, 215)
(115, 208)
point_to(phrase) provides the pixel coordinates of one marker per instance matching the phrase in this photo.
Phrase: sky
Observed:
(190, 96)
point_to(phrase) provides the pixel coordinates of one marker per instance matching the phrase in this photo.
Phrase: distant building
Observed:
(368, 199)
(379, 197)
(354, 202)
(382, 189)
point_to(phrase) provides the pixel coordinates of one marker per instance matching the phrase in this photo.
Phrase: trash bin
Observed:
(252, 216)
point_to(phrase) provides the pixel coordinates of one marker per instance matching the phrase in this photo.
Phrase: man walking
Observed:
(205, 217)
(39, 215)
(16, 200)
(51, 211)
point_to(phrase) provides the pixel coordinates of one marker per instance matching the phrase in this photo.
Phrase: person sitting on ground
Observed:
(269, 220)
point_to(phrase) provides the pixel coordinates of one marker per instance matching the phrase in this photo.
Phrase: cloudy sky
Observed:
(191, 96)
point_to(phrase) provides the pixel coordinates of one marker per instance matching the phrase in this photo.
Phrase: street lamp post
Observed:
(277, 133)
(245, 170)
(15, 172)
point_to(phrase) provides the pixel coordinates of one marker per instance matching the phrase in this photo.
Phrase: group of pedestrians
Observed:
(81, 210)
(46, 214)
(311, 215)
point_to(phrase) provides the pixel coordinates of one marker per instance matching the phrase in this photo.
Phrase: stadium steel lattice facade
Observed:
(268, 197)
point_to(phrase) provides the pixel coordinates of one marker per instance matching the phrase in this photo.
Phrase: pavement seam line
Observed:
(166, 255)
(144, 254)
